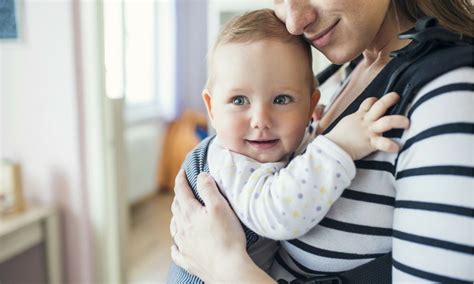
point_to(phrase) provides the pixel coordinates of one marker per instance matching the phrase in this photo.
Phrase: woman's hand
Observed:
(209, 241)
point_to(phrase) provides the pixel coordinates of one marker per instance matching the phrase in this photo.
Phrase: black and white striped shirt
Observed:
(418, 203)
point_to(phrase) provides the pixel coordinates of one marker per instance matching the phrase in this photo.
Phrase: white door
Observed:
(105, 163)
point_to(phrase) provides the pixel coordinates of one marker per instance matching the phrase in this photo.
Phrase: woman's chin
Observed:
(340, 56)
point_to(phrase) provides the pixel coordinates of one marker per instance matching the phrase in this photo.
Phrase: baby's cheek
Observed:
(294, 139)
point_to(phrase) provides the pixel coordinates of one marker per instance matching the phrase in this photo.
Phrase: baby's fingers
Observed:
(384, 144)
(389, 122)
(367, 104)
(381, 106)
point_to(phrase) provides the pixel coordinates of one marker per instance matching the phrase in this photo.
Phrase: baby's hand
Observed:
(360, 133)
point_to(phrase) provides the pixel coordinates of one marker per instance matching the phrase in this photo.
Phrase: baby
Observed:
(279, 178)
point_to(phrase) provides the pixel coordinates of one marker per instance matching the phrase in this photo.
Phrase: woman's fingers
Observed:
(174, 207)
(174, 232)
(204, 235)
(184, 206)
(389, 122)
(178, 258)
(380, 107)
(183, 193)
(173, 228)
(208, 191)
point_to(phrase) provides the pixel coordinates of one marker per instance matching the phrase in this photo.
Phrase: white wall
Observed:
(40, 127)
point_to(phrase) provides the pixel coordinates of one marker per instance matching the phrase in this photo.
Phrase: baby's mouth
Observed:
(263, 144)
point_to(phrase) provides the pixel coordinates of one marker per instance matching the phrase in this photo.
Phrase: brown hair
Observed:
(255, 26)
(454, 15)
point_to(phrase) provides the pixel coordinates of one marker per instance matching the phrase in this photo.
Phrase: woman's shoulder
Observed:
(459, 78)
(448, 93)
(443, 104)
(416, 74)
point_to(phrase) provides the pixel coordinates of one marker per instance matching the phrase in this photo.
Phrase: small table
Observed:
(22, 231)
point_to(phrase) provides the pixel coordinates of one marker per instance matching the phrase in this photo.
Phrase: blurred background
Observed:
(100, 102)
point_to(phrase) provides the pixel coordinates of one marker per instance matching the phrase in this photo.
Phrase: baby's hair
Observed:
(256, 26)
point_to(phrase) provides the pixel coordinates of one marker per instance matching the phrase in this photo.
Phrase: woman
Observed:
(417, 204)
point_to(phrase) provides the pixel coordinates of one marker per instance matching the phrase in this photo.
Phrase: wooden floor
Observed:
(149, 240)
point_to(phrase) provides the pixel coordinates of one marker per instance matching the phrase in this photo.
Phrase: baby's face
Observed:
(260, 100)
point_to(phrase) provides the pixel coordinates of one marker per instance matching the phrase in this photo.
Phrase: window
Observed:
(139, 41)
(139, 56)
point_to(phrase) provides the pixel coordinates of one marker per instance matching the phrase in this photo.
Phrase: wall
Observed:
(191, 53)
(40, 125)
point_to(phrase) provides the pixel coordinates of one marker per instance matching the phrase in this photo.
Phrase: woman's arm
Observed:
(286, 203)
(209, 240)
(433, 230)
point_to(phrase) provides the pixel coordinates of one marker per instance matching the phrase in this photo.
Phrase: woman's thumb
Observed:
(208, 191)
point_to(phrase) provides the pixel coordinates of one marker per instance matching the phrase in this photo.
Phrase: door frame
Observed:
(104, 163)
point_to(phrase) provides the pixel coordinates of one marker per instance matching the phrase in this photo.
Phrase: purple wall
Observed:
(191, 53)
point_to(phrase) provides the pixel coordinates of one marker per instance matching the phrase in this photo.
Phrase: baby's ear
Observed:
(314, 101)
(206, 97)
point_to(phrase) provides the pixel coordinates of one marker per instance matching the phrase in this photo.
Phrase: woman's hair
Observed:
(454, 15)
(255, 26)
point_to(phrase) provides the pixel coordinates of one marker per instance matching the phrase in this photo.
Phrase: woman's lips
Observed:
(323, 38)
(262, 144)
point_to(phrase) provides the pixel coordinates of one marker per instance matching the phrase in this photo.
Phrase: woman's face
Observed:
(340, 29)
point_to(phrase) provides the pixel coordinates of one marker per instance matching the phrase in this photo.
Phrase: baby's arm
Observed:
(287, 203)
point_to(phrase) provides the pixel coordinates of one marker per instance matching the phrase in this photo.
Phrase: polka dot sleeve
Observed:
(281, 202)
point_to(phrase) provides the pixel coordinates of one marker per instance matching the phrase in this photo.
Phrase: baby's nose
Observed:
(261, 118)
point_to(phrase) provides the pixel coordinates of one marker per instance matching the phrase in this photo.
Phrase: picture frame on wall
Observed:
(8, 20)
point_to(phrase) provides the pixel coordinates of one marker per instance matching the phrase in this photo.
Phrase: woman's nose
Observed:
(299, 15)
(261, 119)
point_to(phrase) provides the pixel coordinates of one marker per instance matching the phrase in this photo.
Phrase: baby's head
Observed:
(261, 90)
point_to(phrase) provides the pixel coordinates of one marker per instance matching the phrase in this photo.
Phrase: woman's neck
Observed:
(386, 40)
(376, 56)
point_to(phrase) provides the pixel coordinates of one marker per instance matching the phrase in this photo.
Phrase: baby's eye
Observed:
(240, 100)
(282, 100)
